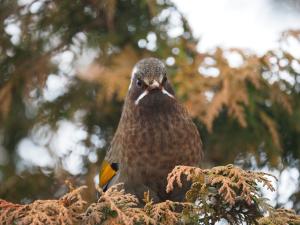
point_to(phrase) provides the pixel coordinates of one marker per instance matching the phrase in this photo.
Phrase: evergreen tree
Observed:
(245, 111)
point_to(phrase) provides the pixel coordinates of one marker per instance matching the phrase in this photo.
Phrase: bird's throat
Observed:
(157, 93)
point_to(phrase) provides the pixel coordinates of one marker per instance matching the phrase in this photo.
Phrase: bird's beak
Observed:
(154, 85)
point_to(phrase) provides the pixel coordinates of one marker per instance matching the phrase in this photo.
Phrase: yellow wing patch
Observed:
(106, 173)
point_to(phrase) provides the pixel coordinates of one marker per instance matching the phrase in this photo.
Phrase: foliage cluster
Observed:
(221, 193)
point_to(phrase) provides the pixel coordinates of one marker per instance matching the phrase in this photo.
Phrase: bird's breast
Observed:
(155, 142)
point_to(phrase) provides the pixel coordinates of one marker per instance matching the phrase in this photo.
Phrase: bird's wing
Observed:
(107, 172)
(110, 165)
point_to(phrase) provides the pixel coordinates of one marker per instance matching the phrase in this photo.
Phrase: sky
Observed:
(254, 24)
(250, 24)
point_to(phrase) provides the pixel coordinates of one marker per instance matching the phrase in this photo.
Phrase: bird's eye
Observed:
(139, 82)
(164, 79)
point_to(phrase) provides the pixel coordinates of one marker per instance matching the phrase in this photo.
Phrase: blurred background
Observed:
(65, 67)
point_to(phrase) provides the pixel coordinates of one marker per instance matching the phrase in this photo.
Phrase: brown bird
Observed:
(155, 133)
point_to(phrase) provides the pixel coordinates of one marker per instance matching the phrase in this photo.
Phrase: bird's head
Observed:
(149, 82)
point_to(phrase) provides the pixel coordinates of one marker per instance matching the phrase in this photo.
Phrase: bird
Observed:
(155, 133)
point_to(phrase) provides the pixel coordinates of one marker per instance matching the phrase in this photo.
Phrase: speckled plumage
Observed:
(153, 136)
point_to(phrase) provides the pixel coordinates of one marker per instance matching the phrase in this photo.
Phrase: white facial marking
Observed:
(164, 91)
(132, 76)
(161, 77)
(141, 96)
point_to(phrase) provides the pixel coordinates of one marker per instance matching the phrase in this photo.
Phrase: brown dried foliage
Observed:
(231, 182)
(117, 207)
(66, 210)
(224, 192)
(165, 212)
(280, 217)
